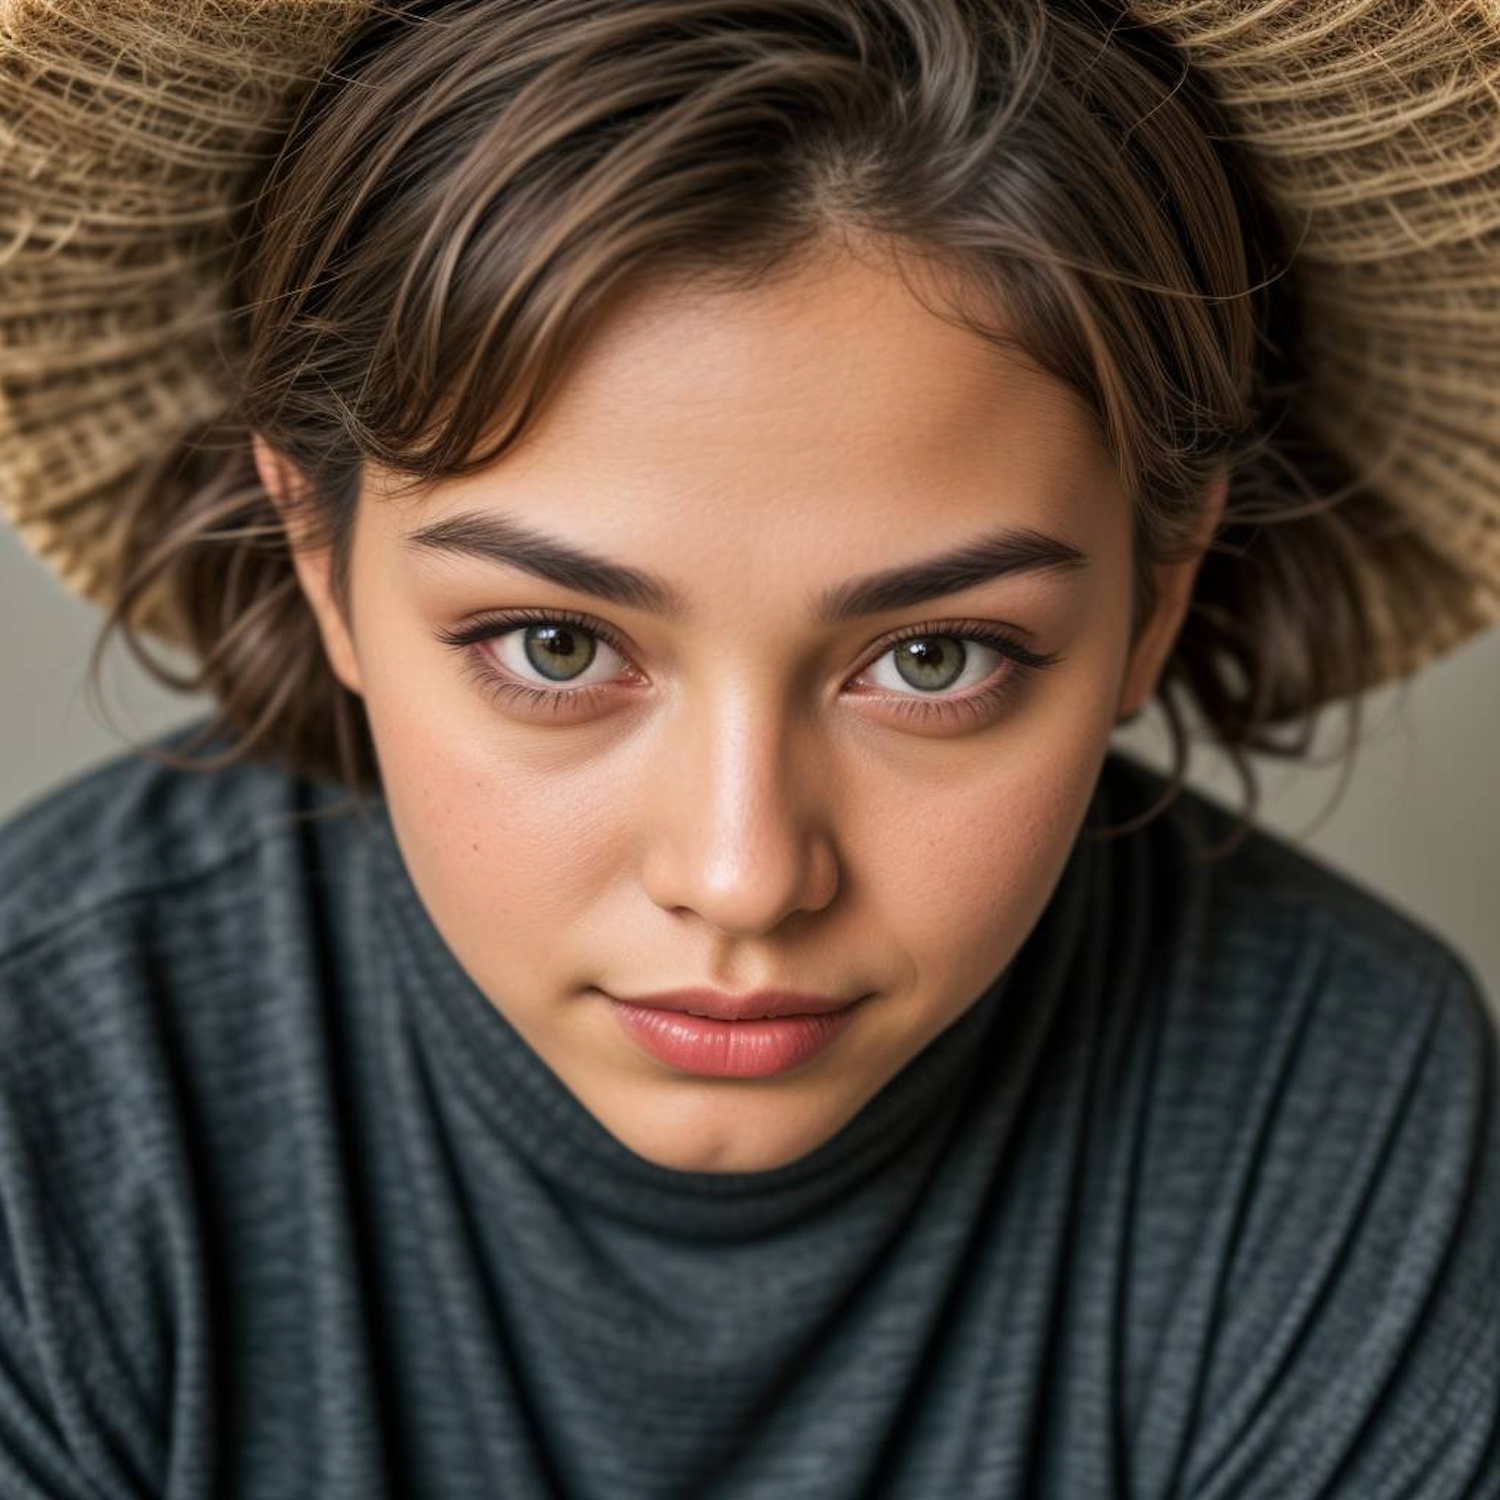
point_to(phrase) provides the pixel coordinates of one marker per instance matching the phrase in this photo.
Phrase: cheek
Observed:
(496, 845)
(966, 875)
(504, 843)
(966, 880)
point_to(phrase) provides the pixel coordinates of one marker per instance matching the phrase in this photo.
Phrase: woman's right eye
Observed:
(559, 653)
(509, 653)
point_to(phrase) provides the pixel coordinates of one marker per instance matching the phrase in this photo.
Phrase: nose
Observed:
(737, 822)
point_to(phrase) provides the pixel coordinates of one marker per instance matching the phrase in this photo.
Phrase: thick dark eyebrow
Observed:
(496, 538)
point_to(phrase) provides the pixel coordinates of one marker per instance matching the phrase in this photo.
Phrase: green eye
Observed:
(559, 652)
(930, 662)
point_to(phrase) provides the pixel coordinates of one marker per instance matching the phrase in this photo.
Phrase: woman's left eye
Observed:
(564, 649)
(934, 659)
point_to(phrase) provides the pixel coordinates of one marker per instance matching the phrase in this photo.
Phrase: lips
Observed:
(747, 1007)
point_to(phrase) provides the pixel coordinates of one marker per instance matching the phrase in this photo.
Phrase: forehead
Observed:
(834, 396)
(841, 349)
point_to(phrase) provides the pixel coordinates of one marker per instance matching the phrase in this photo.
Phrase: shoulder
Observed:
(1301, 1011)
(1318, 1186)
(147, 912)
(129, 828)
(1296, 1015)
(1272, 922)
(132, 1039)
(159, 966)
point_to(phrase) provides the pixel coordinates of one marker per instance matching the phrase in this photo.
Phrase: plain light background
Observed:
(1419, 822)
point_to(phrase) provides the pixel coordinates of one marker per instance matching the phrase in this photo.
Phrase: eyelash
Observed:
(1022, 663)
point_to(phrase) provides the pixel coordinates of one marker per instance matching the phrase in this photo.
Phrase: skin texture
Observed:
(743, 804)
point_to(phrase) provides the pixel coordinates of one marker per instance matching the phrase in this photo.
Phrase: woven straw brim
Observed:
(131, 131)
(1373, 125)
(1374, 129)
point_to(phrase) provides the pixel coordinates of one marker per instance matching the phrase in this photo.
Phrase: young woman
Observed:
(654, 983)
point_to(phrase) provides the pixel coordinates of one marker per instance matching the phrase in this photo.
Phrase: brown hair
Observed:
(470, 185)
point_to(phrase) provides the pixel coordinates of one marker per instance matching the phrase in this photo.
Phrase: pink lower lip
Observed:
(731, 1049)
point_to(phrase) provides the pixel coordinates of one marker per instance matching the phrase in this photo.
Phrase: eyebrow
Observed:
(497, 538)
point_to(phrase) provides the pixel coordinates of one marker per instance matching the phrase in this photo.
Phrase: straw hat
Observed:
(1373, 127)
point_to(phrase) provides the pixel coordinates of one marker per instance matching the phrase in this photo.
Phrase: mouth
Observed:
(752, 1006)
(693, 1035)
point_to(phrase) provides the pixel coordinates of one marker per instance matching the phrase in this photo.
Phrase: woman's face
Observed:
(721, 777)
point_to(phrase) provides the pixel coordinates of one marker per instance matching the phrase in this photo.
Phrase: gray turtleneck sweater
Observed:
(1200, 1199)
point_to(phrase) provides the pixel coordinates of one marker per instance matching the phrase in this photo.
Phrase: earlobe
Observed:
(275, 473)
(1174, 592)
(1148, 656)
(313, 567)
(313, 573)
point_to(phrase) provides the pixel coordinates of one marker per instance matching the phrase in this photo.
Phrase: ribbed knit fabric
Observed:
(1201, 1198)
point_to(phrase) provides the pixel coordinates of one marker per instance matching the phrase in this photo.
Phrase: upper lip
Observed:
(745, 1007)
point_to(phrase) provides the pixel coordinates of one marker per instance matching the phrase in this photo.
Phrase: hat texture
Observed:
(127, 145)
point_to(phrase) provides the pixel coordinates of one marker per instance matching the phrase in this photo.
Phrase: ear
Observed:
(1174, 582)
(313, 565)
